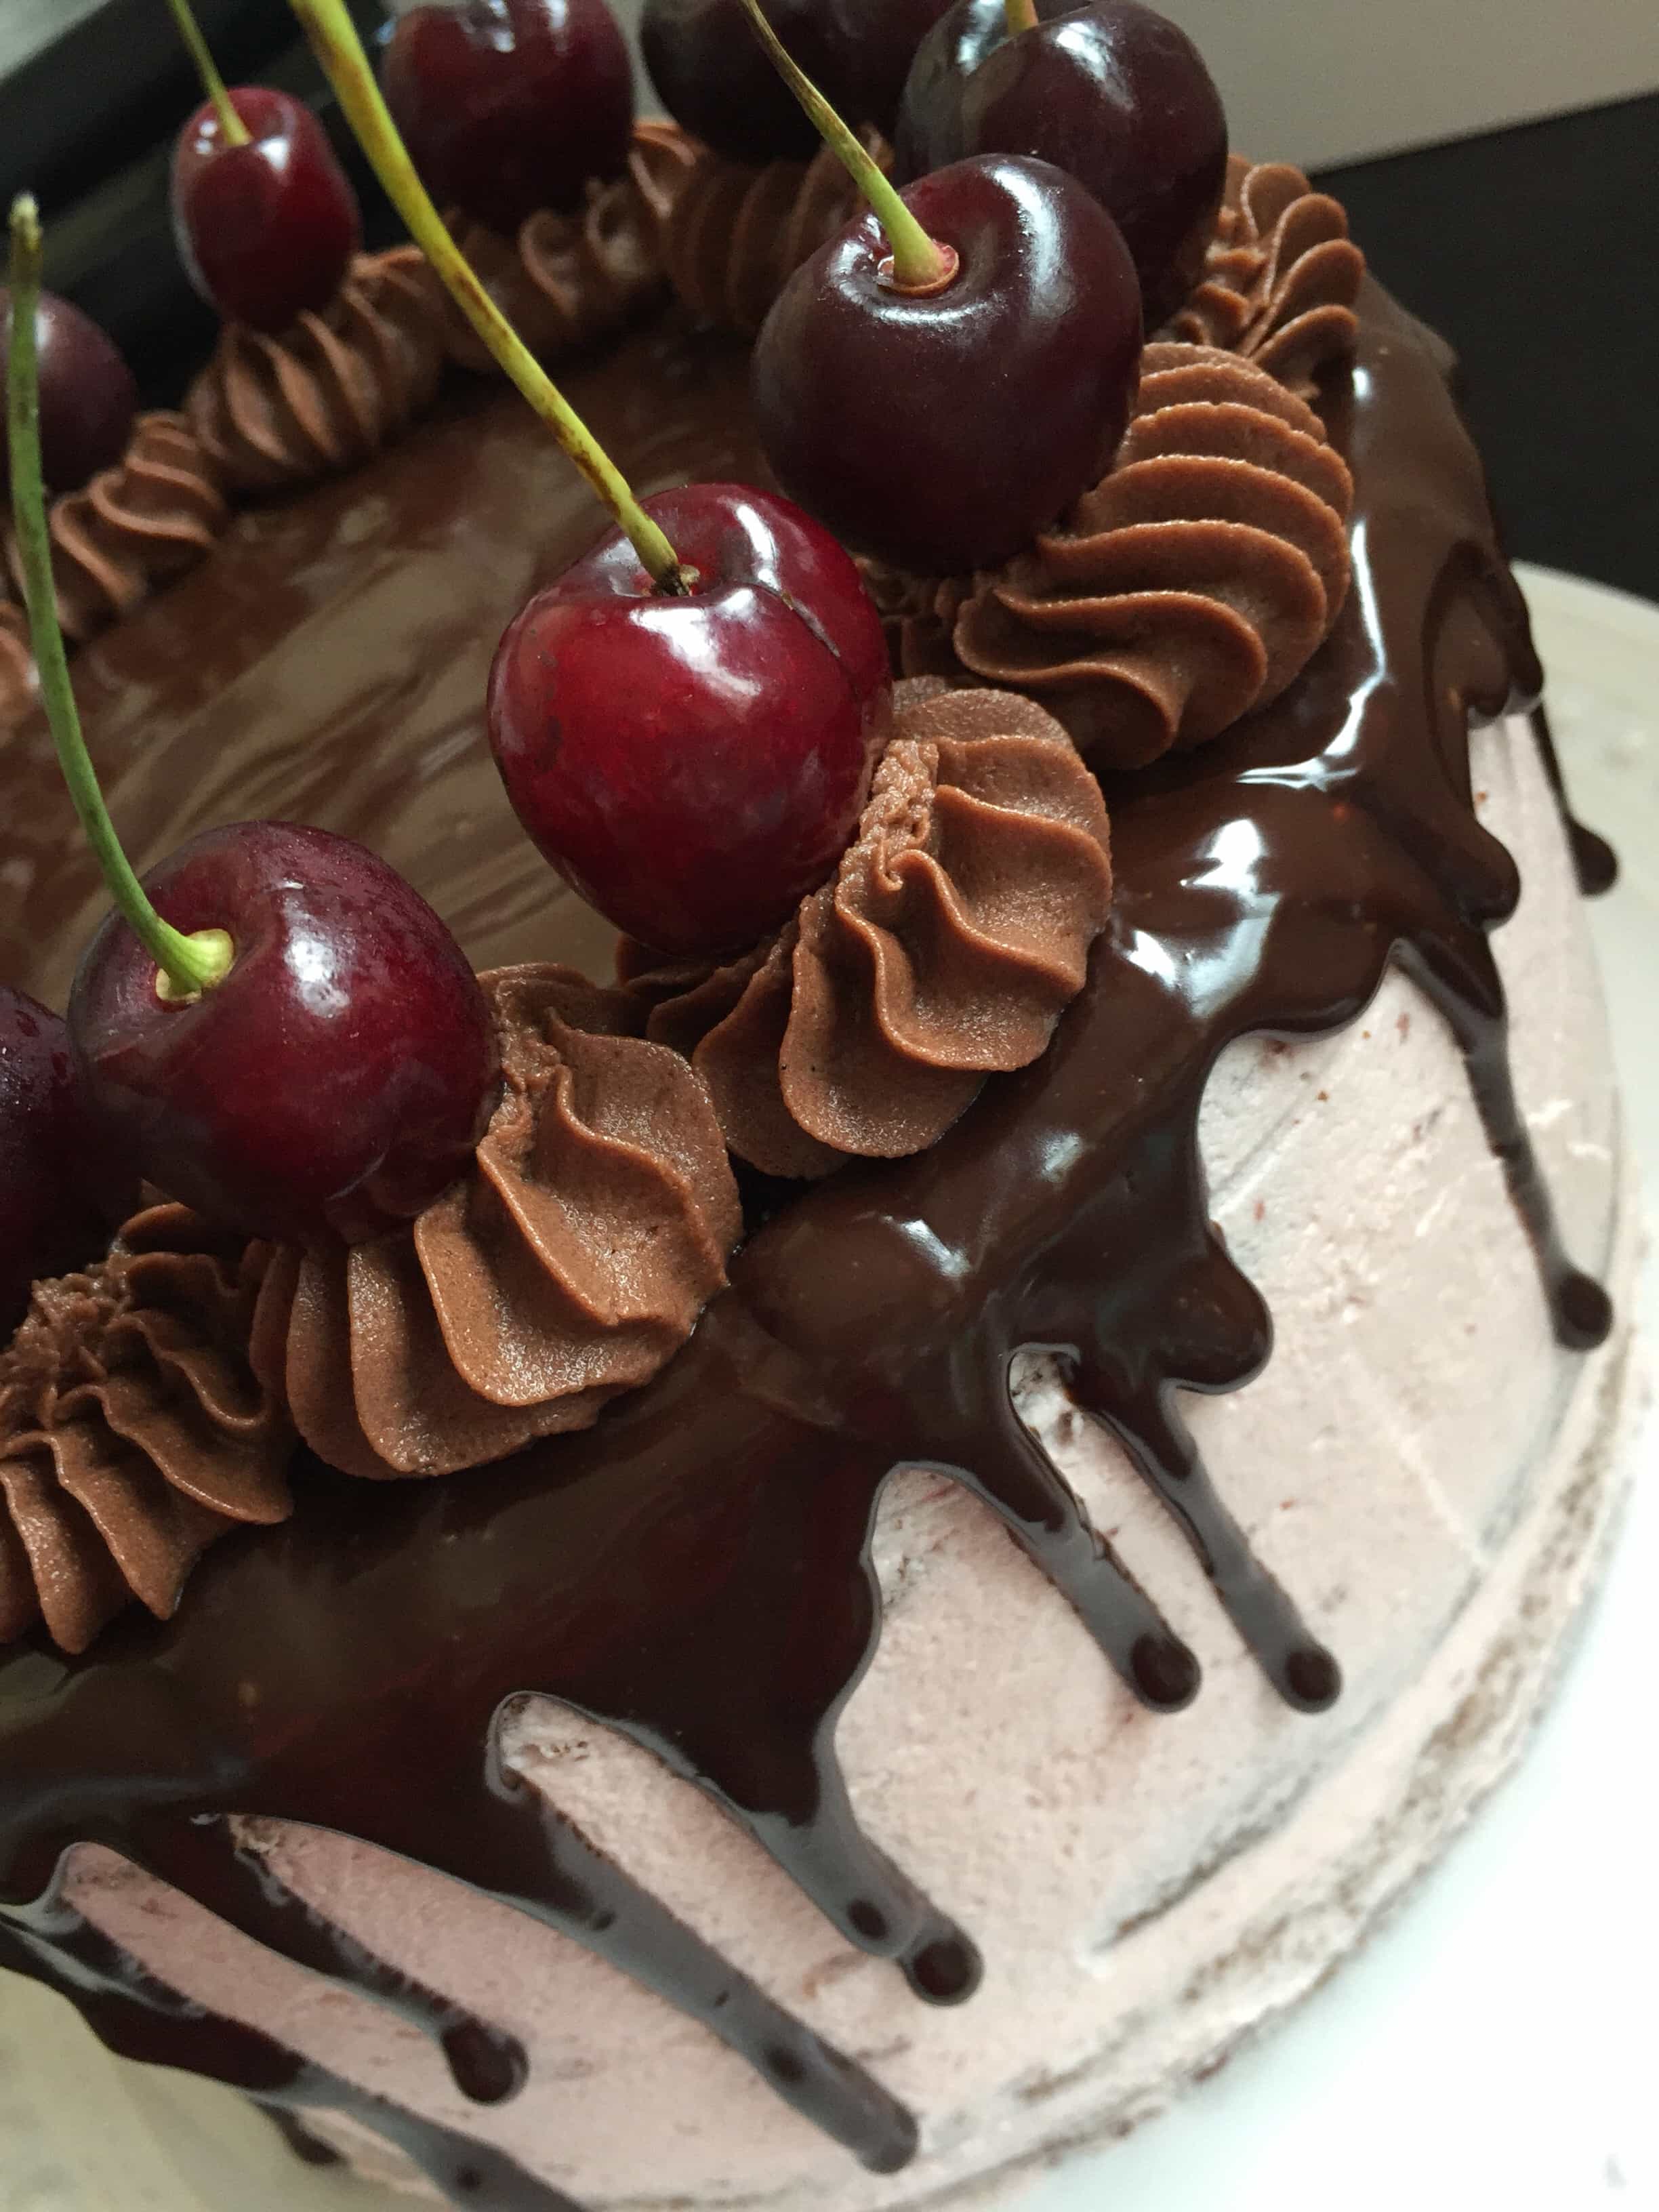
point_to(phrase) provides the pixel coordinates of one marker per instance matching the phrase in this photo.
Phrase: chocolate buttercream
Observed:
(18, 689)
(132, 1431)
(570, 1265)
(736, 234)
(1281, 277)
(150, 517)
(565, 280)
(1193, 584)
(332, 389)
(955, 932)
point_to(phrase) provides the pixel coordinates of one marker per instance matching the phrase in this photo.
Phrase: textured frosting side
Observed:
(133, 1430)
(571, 1264)
(1192, 585)
(565, 280)
(737, 234)
(18, 689)
(332, 389)
(954, 934)
(150, 517)
(1281, 277)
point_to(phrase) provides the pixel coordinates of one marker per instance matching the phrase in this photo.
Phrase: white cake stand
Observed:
(1491, 2045)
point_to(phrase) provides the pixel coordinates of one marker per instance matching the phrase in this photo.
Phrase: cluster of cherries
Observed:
(276, 1028)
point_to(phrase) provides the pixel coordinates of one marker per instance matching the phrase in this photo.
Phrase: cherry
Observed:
(510, 105)
(940, 429)
(695, 764)
(49, 1222)
(715, 81)
(267, 227)
(1111, 92)
(87, 397)
(333, 1080)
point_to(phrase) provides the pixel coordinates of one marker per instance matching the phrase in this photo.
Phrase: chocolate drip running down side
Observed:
(1264, 883)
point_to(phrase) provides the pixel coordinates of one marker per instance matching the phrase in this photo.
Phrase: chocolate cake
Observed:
(942, 1694)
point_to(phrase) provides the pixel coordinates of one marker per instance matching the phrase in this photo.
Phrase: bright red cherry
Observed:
(49, 1159)
(510, 105)
(1111, 92)
(941, 430)
(87, 397)
(715, 81)
(333, 1082)
(267, 228)
(695, 765)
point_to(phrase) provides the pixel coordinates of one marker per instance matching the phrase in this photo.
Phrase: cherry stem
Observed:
(186, 966)
(1022, 17)
(339, 51)
(232, 128)
(920, 263)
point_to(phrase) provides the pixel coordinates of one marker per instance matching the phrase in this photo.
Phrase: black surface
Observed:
(1535, 249)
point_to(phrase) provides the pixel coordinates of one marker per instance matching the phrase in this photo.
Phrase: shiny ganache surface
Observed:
(694, 1571)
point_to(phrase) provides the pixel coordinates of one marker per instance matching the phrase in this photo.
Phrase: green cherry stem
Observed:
(1022, 17)
(920, 263)
(186, 966)
(339, 51)
(232, 128)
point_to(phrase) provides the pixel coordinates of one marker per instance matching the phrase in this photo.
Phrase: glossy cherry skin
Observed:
(510, 105)
(267, 229)
(942, 431)
(50, 1164)
(695, 766)
(334, 1082)
(1111, 92)
(87, 397)
(715, 78)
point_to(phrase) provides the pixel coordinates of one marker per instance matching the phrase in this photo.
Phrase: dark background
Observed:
(1534, 249)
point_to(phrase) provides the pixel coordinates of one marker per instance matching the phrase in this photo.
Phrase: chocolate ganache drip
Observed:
(1264, 882)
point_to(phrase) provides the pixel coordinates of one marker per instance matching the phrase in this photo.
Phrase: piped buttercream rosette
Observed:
(133, 1430)
(334, 388)
(1281, 277)
(570, 1265)
(1191, 585)
(953, 934)
(565, 280)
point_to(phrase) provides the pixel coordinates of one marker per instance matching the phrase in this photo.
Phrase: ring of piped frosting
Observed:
(133, 1430)
(1281, 277)
(152, 515)
(570, 1264)
(1190, 586)
(331, 390)
(951, 938)
(564, 280)
(735, 233)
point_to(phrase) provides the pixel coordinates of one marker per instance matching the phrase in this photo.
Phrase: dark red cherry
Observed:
(337, 1077)
(714, 78)
(508, 106)
(1111, 91)
(267, 229)
(50, 1162)
(941, 431)
(87, 397)
(694, 766)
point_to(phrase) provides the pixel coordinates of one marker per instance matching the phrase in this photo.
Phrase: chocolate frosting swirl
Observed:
(133, 1432)
(332, 389)
(736, 234)
(18, 688)
(149, 518)
(952, 937)
(570, 1265)
(565, 280)
(1190, 586)
(1281, 278)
